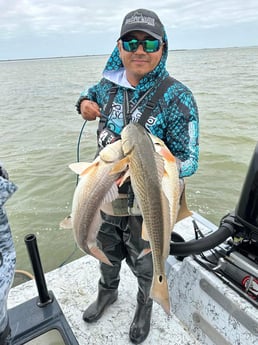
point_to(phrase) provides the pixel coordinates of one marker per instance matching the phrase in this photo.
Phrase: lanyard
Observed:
(127, 112)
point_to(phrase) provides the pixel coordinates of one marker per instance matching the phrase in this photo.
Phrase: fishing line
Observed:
(70, 256)
(77, 180)
(78, 147)
(79, 141)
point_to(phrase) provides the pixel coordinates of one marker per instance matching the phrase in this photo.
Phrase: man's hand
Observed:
(89, 110)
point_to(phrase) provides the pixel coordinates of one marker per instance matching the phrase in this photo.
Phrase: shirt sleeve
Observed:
(183, 133)
(89, 93)
(98, 93)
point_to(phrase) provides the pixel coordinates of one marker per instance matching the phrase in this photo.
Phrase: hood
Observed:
(115, 64)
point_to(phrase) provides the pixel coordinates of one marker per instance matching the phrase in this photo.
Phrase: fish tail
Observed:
(98, 254)
(159, 292)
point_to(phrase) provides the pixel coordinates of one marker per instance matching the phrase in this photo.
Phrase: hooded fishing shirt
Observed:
(174, 118)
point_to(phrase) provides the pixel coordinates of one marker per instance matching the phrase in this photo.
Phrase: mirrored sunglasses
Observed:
(149, 46)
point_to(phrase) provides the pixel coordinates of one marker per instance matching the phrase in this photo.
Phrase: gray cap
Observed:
(142, 20)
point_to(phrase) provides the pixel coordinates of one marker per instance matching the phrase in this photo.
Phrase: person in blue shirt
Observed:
(135, 71)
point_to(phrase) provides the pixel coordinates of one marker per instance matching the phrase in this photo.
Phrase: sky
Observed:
(55, 28)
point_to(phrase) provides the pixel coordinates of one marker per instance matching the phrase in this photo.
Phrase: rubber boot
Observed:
(110, 242)
(5, 336)
(105, 298)
(140, 326)
(142, 268)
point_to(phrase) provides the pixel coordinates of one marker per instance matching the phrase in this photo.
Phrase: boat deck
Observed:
(75, 287)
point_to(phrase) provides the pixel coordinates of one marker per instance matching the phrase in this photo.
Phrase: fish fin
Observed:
(144, 252)
(159, 292)
(183, 208)
(111, 195)
(156, 140)
(166, 187)
(170, 198)
(160, 165)
(168, 222)
(164, 152)
(106, 205)
(80, 167)
(99, 254)
(121, 180)
(91, 168)
(119, 166)
(145, 235)
(66, 223)
(169, 159)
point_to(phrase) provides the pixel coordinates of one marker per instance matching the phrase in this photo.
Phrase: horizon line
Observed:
(92, 55)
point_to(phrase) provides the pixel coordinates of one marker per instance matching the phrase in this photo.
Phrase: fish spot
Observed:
(160, 279)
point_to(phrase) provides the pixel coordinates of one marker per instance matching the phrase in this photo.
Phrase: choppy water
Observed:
(40, 129)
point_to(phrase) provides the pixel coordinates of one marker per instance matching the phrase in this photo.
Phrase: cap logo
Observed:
(139, 18)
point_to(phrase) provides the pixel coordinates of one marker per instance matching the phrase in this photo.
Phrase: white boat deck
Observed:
(75, 287)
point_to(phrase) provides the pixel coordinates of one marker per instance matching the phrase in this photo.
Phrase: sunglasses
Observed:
(149, 46)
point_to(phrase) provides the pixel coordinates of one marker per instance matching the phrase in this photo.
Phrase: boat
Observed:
(212, 273)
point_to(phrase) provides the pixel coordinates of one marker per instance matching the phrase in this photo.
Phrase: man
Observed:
(7, 256)
(134, 73)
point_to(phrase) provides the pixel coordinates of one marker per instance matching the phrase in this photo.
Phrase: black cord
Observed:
(79, 141)
(77, 180)
(78, 147)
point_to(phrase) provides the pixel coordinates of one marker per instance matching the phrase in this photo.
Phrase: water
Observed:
(40, 129)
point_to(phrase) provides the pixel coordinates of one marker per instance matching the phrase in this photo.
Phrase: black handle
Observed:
(32, 247)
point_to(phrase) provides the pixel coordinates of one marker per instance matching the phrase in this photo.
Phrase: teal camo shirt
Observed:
(174, 119)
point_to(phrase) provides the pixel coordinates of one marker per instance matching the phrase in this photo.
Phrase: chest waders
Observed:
(120, 238)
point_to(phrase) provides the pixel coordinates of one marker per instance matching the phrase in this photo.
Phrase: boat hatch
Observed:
(34, 325)
(40, 320)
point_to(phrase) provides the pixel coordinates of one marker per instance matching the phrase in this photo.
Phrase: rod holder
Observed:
(32, 247)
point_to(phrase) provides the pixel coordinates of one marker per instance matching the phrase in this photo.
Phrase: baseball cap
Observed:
(142, 20)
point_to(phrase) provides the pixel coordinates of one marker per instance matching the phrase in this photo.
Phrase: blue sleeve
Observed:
(182, 135)
(90, 93)
(98, 93)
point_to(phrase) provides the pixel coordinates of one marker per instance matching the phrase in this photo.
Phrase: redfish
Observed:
(96, 186)
(155, 182)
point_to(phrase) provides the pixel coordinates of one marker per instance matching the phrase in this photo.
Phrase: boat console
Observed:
(214, 288)
(235, 259)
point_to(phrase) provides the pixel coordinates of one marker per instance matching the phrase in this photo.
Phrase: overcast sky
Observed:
(49, 28)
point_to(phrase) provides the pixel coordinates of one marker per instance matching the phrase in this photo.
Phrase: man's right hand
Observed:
(89, 110)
